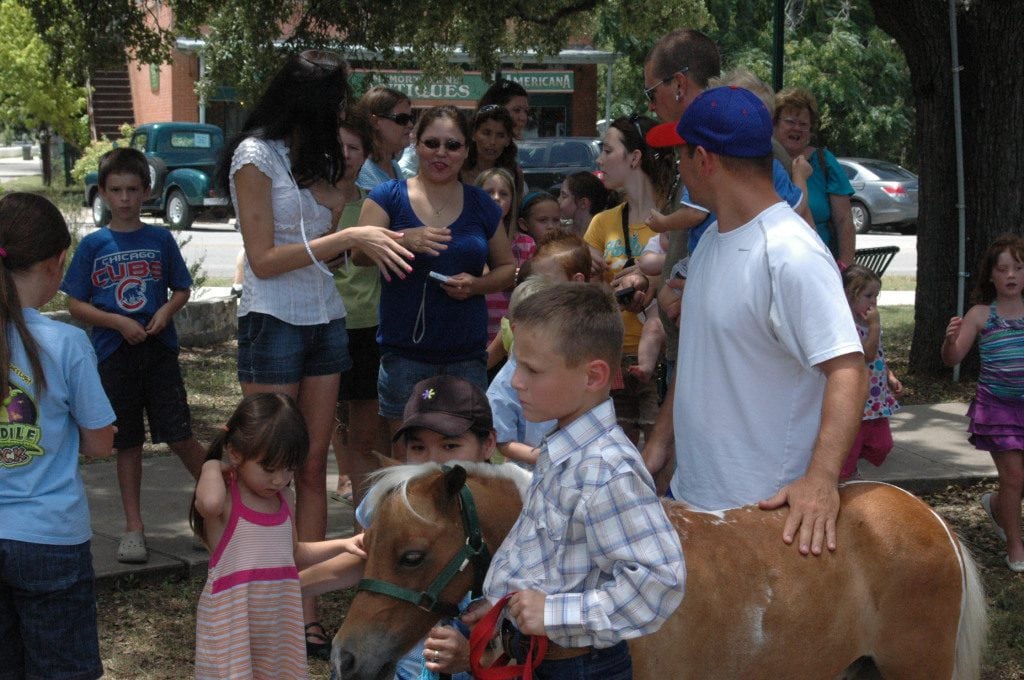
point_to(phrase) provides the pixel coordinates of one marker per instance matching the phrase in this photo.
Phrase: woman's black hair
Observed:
(437, 112)
(502, 92)
(659, 165)
(31, 230)
(267, 427)
(507, 159)
(586, 185)
(302, 106)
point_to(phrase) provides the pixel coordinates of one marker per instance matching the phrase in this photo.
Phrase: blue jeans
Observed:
(47, 612)
(398, 375)
(610, 663)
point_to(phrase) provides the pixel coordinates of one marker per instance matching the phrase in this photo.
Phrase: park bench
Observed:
(875, 259)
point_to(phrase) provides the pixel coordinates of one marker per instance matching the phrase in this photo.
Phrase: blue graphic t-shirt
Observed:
(43, 498)
(127, 273)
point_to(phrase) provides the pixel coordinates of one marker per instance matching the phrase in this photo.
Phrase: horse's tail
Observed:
(973, 627)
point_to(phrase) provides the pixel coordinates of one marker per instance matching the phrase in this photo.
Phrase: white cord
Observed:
(302, 221)
(419, 329)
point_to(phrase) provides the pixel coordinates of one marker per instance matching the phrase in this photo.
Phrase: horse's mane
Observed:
(396, 479)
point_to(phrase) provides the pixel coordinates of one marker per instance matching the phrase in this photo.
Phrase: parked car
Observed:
(182, 167)
(546, 161)
(884, 194)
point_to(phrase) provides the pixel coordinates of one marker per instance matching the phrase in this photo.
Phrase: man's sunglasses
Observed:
(651, 92)
(402, 119)
(449, 144)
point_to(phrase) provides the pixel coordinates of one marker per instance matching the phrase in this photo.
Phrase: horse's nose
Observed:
(343, 663)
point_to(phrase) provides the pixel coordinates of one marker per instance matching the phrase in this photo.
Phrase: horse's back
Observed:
(754, 604)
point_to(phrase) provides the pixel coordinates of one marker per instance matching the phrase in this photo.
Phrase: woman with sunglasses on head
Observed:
(616, 238)
(282, 170)
(511, 96)
(389, 114)
(434, 320)
(491, 145)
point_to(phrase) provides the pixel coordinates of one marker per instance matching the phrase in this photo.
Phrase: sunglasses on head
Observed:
(402, 119)
(449, 144)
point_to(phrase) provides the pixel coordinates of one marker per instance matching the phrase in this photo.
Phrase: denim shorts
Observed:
(398, 375)
(144, 380)
(47, 612)
(275, 352)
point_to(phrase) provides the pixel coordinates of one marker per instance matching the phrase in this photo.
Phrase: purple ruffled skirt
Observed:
(997, 423)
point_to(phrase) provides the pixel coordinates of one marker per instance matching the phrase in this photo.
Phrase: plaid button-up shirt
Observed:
(593, 536)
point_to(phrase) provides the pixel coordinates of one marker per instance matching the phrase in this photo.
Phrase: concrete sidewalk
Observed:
(930, 452)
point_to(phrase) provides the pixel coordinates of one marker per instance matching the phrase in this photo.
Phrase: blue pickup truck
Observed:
(182, 169)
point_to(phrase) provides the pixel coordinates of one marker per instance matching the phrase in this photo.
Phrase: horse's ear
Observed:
(385, 461)
(454, 480)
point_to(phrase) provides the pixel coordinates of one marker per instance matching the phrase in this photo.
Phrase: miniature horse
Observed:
(900, 590)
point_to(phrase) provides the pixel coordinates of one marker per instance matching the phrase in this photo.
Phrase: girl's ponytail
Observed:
(31, 230)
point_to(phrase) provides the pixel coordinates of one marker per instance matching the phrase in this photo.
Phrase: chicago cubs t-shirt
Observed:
(127, 273)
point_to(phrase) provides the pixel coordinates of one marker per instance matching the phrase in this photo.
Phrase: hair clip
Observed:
(487, 108)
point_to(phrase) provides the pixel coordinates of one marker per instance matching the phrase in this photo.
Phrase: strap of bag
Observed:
(833, 233)
(483, 632)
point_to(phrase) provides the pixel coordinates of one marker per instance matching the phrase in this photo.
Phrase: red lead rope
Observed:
(483, 632)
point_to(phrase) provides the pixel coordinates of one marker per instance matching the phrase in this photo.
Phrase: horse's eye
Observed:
(413, 558)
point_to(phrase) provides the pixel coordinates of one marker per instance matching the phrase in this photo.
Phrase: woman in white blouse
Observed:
(282, 168)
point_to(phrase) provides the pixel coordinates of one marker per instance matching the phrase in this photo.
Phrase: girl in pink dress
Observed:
(249, 622)
(874, 440)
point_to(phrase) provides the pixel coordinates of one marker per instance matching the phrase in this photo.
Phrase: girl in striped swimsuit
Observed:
(249, 622)
(997, 411)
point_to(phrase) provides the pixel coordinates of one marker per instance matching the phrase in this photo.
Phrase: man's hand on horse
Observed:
(527, 610)
(813, 508)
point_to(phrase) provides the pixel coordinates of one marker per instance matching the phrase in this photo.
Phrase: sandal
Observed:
(986, 504)
(318, 646)
(132, 548)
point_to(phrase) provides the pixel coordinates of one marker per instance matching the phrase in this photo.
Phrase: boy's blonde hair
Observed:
(527, 287)
(583, 320)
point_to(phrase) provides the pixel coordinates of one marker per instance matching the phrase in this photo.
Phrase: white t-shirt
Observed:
(763, 305)
(304, 296)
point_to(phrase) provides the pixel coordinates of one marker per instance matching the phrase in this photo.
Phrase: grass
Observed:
(897, 334)
(147, 628)
(899, 282)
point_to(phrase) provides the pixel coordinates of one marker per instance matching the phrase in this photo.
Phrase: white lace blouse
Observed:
(305, 296)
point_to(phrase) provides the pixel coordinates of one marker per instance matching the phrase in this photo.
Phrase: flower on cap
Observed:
(429, 394)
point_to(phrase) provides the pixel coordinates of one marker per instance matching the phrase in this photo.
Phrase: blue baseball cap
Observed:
(729, 121)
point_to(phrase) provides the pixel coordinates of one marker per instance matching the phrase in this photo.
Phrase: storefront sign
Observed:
(468, 87)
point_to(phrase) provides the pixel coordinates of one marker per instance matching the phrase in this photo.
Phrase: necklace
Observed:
(438, 211)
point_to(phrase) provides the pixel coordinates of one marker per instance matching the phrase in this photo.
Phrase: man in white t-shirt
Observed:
(771, 379)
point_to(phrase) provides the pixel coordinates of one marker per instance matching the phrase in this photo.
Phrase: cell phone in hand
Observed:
(625, 295)
(439, 277)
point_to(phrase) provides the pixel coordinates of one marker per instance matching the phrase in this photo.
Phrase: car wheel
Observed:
(100, 211)
(178, 214)
(861, 217)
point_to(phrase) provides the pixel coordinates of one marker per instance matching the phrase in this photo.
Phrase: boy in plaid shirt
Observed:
(592, 557)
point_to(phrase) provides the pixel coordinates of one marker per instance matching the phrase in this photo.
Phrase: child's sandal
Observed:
(318, 645)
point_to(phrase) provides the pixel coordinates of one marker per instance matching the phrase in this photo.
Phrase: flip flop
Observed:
(319, 647)
(986, 504)
(345, 498)
(1017, 567)
(132, 548)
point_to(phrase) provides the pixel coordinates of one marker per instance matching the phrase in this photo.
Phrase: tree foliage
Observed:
(30, 95)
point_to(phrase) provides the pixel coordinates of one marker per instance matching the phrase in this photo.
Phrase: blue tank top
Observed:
(1001, 347)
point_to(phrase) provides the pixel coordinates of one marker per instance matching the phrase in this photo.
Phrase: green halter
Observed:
(474, 552)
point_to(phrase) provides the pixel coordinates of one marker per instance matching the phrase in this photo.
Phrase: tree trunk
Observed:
(44, 156)
(992, 104)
